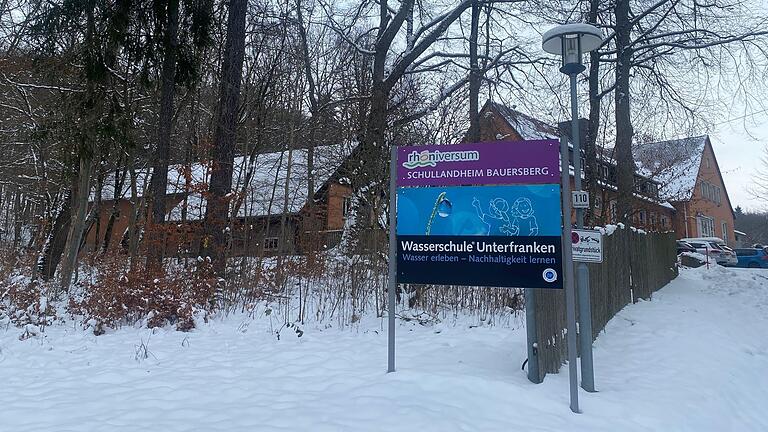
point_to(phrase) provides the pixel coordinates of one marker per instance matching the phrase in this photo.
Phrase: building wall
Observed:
(702, 206)
(649, 215)
(337, 194)
(94, 240)
(315, 228)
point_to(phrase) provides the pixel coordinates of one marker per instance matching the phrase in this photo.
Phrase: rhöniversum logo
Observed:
(431, 158)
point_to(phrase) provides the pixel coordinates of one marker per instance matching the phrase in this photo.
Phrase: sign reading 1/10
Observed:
(580, 199)
(490, 216)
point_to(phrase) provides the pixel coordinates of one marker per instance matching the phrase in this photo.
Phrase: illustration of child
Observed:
(523, 219)
(496, 220)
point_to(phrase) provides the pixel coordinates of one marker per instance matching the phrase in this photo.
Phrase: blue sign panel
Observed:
(507, 236)
(525, 210)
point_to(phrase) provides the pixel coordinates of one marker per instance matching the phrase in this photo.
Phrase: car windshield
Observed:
(746, 252)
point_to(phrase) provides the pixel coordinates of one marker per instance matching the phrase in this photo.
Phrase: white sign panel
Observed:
(587, 246)
(580, 199)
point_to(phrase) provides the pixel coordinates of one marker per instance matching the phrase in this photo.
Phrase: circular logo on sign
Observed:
(549, 275)
(574, 237)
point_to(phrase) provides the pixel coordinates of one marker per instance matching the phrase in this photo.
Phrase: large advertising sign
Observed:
(503, 234)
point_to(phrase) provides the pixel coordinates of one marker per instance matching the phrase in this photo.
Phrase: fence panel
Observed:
(634, 266)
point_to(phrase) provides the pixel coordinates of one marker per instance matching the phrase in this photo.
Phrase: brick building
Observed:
(270, 191)
(691, 180)
(652, 211)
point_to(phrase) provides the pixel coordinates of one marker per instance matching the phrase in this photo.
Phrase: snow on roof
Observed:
(526, 126)
(674, 164)
(262, 181)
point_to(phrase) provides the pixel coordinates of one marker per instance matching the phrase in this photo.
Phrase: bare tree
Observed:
(223, 152)
(759, 187)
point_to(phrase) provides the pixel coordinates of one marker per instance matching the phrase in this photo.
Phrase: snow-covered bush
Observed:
(120, 296)
(23, 303)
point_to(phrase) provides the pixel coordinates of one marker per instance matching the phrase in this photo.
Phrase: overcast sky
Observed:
(739, 149)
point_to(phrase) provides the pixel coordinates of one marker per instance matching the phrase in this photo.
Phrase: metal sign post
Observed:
(582, 272)
(570, 291)
(392, 276)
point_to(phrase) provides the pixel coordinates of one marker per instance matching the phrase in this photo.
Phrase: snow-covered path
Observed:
(693, 359)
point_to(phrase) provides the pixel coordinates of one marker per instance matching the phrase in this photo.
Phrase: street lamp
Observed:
(571, 41)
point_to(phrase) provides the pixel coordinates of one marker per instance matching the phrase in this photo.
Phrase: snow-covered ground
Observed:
(693, 359)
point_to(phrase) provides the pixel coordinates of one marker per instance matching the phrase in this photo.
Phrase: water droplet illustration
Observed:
(445, 208)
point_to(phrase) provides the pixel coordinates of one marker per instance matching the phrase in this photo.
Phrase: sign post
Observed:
(570, 290)
(582, 272)
(392, 276)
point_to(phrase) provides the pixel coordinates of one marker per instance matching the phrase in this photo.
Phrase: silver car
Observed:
(722, 254)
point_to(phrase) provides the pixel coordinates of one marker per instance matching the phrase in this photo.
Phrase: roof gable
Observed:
(527, 127)
(711, 150)
(675, 164)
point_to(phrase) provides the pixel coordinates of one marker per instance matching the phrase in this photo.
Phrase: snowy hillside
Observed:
(693, 359)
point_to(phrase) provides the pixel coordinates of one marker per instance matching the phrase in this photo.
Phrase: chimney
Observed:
(564, 128)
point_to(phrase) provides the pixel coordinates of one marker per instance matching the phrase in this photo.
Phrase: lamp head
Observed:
(570, 41)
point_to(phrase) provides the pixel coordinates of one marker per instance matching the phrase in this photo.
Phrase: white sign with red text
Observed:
(587, 246)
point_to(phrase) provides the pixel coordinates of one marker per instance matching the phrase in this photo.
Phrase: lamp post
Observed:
(571, 41)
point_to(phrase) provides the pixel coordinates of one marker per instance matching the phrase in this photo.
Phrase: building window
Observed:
(653, 219)
(346, 206)
(724, 227)
(642, 217)
(614, 211)
(664, 222)
(706, 226)
(271, 243)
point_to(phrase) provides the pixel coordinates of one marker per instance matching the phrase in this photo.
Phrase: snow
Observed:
(674, 164)
(526, 126)
(692, 359)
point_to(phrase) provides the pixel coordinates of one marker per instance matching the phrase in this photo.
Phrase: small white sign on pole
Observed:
(580, 199)
(587, 246)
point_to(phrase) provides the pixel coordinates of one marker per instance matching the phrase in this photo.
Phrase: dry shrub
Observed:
(123, 296)
(23, 304)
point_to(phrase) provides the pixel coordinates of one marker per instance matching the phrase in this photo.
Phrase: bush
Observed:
(122, 296)
(23, 304)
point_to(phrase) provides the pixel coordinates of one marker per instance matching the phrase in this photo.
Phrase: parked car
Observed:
(714, 248)
(752, 258)
(684, 247)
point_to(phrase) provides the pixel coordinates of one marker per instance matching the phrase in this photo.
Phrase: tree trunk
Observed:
(624, 160)
(17, 219)
(475, 78)
(159, 182)
(56, 240)
(222, 154)
(313, 105)
(134, 233)
(86, 151)
(117, 191)
(591, 168)
(79, 207)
